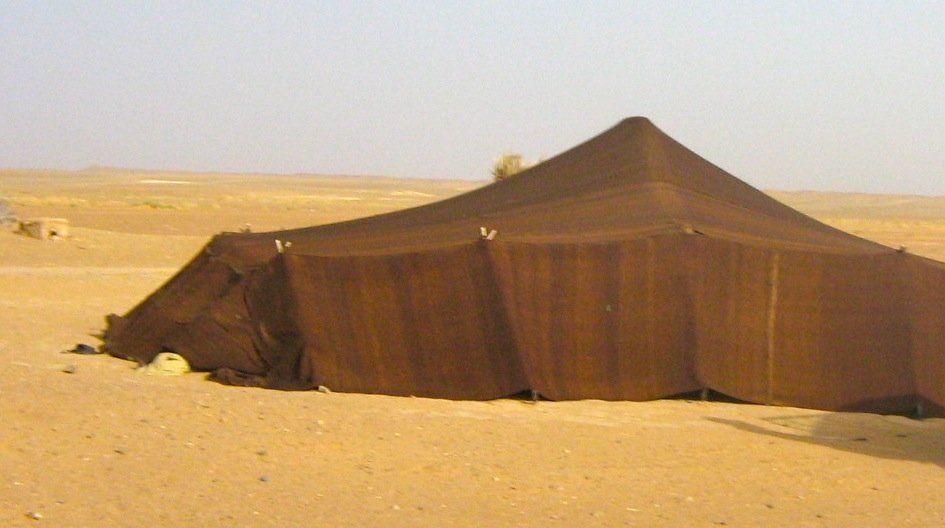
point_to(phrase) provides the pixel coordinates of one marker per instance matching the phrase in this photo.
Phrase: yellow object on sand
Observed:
(166, 364)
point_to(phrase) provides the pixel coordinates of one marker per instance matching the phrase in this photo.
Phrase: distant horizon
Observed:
(133, 170)
(483, 181)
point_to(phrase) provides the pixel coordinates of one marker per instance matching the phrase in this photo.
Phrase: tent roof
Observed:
(630, 181)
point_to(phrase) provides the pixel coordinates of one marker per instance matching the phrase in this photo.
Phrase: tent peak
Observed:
(637, 124)
(636, 121)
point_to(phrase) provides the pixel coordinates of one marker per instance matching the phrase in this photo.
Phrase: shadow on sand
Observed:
(892, 437)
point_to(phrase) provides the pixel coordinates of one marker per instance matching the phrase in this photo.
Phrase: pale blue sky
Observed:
(785, 95)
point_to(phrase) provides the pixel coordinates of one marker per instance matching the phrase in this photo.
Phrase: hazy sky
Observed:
(785, 95)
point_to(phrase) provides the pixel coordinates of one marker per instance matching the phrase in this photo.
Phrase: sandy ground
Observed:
(105, 446)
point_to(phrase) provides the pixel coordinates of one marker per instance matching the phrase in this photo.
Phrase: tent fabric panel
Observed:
(842, 334)
(141, 333)
(424, 324)
(668, 367)
(722, 220)
(222, 336)
(732, 297)
(275, 335)
(558, 298)
(927, 310)
(599, 320)
(805, 329)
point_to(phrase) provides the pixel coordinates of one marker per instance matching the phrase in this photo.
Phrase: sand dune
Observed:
(104, 446)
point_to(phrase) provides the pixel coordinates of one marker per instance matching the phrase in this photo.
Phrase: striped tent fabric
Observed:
(626, 268)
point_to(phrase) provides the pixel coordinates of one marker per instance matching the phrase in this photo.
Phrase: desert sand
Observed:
(87, 441)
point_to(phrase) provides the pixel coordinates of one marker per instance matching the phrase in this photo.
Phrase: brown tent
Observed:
(627, 268)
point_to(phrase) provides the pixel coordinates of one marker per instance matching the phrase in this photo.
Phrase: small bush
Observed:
(155, 204)
(509, 164)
